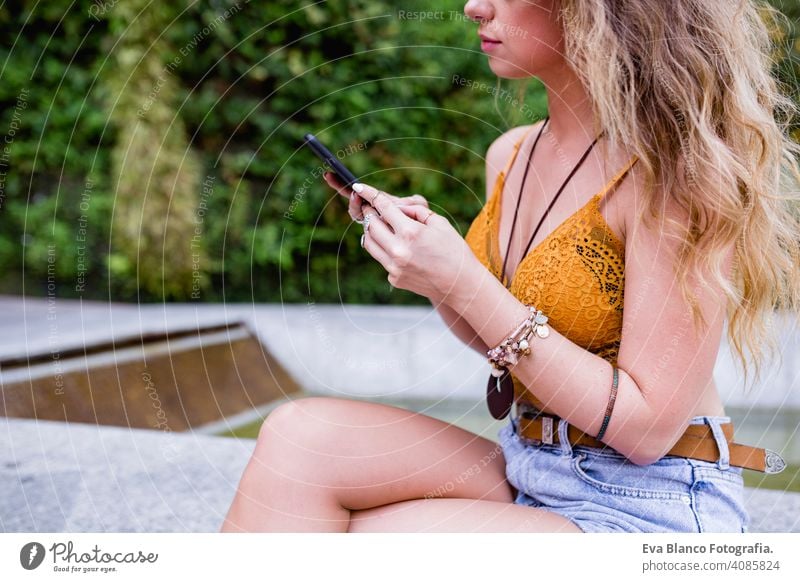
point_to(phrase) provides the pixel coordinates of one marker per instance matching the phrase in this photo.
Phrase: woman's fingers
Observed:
(375, 250)
(378, 230)
(388, 210)
(354, 207)
(376, 238)
(416, 199)
(418, 212)
(407, 200)
(408, 210)
(354, 202)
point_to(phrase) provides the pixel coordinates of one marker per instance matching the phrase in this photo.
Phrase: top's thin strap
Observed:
(513, 156)
(621, 174)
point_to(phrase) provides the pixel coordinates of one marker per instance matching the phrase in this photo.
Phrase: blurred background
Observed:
(156, 208)
(140, 119)
(153, 149)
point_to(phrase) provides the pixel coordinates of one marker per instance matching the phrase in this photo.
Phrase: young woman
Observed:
(658, 181)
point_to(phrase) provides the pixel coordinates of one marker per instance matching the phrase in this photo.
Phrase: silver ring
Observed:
(367, 218)
(363, 236)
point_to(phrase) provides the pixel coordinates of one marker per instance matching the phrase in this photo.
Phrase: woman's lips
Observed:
(488, 44)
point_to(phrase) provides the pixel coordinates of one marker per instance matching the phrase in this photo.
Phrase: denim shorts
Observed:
(601, 491)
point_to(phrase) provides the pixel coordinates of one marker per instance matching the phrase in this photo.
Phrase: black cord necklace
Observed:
(500, 391)
(552, 202)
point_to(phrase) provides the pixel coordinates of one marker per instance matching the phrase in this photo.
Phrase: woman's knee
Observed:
(297, 424)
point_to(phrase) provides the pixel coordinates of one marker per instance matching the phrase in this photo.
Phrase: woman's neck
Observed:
(569, 107)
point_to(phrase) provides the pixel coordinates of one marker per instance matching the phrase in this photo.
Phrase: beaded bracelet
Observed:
(508, 352)
(610, 408)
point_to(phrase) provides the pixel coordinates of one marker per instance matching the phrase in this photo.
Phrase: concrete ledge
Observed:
(57, 477)
(395, 352)
(356, 350)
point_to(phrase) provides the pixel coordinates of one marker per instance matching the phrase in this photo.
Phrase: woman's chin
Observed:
(507, 70)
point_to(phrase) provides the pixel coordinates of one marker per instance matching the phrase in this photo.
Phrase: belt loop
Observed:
(724, 462)
(563, 437)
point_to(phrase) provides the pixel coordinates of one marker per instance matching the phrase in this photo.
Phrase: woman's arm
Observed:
(664, 366)
(461, 329)
(499, 151)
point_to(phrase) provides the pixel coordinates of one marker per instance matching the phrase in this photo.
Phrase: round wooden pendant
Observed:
(500, 395)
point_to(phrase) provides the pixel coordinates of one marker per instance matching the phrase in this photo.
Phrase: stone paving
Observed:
(57, 477)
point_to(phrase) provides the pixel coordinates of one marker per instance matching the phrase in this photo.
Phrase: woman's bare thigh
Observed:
(458, 515)
(367, 454)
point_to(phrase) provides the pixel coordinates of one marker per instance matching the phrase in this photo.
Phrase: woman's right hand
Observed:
(355, 201)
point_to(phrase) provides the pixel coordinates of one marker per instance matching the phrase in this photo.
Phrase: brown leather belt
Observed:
(697, 442)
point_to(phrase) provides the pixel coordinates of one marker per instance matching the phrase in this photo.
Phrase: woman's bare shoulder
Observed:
(501, 148)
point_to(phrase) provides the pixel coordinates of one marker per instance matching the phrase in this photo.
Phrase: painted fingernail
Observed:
(357, 187)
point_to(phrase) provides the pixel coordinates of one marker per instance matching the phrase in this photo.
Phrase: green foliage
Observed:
(49, 98)
(157, 174)
(230, 89)
(356, 75)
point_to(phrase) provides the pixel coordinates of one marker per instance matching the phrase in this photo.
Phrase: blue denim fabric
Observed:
(601, 491)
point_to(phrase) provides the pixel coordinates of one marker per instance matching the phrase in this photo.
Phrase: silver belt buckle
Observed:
(532, 413)
(773, 462)
(547, 430)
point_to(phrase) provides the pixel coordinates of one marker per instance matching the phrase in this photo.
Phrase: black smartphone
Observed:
(345, 176)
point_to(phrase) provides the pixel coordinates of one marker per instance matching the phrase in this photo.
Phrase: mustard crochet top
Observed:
(576, 275)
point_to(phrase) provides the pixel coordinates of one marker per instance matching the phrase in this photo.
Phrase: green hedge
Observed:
(213, 98)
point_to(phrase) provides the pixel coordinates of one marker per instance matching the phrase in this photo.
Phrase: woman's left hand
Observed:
(420, 249)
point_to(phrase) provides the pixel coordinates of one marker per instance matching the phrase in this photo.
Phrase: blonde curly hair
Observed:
(687, 85)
